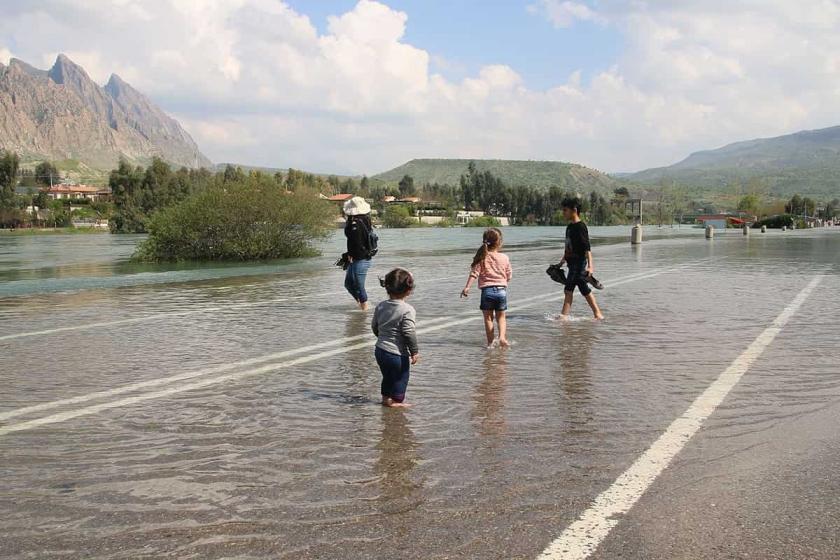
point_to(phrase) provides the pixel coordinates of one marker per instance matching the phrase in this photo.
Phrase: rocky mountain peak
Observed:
(63, 114)
(67, 72)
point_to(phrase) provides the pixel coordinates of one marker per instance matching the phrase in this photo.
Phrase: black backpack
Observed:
(372, 240)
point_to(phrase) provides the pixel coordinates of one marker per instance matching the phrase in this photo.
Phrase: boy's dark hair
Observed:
(398, 282)
(572, 203)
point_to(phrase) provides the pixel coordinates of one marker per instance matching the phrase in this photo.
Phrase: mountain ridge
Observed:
(62, 114)
(807, 162)
(541, 174)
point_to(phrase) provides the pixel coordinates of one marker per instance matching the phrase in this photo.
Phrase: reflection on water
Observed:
(573, 370)
(298, 459)
(489, 401)
(398, 456)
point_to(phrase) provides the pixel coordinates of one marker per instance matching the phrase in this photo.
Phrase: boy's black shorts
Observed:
(577, 277)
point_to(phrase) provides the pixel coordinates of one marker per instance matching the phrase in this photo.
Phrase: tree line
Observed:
(16, 209)
(138, 192)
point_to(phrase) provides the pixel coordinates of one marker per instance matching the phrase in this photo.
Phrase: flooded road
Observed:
(230, 411)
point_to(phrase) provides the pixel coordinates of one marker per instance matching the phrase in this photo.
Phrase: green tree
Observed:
(795, 205)
(41, 200)
(249, 218)
(484, 222)
(406, 186)
(126, 182)
(398, 216)
(233, 174)
(9, 164)
(750, 203)
(47, 174)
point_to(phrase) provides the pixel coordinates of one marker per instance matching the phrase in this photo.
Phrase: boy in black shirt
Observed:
(578, 255)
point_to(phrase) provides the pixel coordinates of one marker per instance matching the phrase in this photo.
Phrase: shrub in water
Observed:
(247, 218)
(398, 216)
(775, 221)
(484, 222)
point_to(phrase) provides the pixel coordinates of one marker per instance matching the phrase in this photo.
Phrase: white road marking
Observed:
(368, 340)
(583, 537)
(187, 375)
(172, 314)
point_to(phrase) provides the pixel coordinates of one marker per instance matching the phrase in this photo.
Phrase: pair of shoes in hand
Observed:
(557, 274)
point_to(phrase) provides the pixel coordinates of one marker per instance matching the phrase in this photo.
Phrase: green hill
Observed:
(539, 174)
(806, 162)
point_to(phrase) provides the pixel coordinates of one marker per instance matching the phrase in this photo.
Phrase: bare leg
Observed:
(363, 305)
(567, 303)
(596, 311)
(488, 327)
(501, 318)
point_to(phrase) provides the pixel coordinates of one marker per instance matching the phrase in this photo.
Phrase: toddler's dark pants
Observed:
(395, 370)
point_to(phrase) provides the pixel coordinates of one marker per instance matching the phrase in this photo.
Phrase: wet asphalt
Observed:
(503, 449)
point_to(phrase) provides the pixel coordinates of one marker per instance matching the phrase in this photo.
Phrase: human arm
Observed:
(470, 279)
(374, 324)
(586, 248)
(408, 329)
(508, 271)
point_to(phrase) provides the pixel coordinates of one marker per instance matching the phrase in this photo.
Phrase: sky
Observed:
(360, 86)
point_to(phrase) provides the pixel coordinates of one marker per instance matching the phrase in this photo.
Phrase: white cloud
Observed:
(566, 13)
(254, 81)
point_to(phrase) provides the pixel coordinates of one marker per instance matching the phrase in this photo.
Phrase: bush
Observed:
(446, 222)
(777, 222)
(249, 218)
(484, 222)
(398, 216)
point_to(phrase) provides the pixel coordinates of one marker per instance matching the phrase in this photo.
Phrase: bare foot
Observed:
(391, 403)
(363, 306)
(503, 342)
(400, 405)
(599, 317)
(564, 317)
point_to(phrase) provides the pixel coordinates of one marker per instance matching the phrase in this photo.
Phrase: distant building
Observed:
(58, 192)
(464, 217)
(338, 199)
(722, 221)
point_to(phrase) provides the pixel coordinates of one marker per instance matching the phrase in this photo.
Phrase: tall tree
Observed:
(406, 186)
(9, 164)
(47, 174)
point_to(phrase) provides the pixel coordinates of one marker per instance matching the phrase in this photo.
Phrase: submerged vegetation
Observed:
(239, 218)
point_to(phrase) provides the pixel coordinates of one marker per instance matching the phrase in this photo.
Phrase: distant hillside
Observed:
(540, 174)
(806, 162)
(62, 115)
(273, 170)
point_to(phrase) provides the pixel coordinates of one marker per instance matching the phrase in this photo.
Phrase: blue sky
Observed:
(469, 34)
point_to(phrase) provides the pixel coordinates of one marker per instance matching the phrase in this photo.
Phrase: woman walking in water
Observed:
(361, 247)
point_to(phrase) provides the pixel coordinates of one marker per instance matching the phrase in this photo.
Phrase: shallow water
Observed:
(269, 443)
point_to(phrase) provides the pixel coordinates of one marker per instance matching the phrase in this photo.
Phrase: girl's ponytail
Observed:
(480, 255)
(492, 240)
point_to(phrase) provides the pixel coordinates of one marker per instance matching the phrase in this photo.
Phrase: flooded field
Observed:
(230, 411)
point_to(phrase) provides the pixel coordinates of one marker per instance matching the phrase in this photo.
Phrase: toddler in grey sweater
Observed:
(396, 346)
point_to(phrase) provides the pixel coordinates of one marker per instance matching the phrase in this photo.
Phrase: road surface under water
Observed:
(230, 411)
